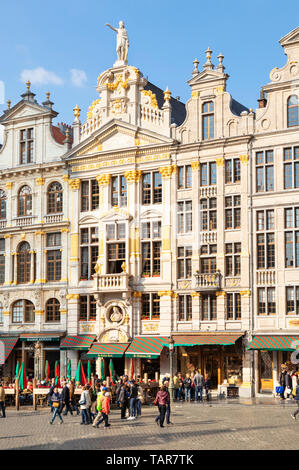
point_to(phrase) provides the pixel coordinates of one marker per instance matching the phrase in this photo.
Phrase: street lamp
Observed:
(171, 349)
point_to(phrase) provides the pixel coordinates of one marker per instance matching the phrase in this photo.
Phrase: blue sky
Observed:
(66, 45)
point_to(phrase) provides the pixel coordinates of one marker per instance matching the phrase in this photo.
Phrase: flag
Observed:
(47, 372)
(17, 370)
(57, 374)
(88, 373)
(69, 370)
(80, 375)
(102, 369)
(111, 370)
(132, 369)
(22, 378)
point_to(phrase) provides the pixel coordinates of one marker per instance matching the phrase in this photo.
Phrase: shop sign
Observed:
(40, 338)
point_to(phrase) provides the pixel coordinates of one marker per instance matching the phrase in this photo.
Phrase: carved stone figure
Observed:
(116, 315)
(122, 42)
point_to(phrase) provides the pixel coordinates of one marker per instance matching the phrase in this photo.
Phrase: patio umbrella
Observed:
(57, 374)
(88, 373)
(17, 370)
(132, 369)
(111, 370)
(102, 369)
(47, 372)
(69, 370)
(80, 375)
(22, 378)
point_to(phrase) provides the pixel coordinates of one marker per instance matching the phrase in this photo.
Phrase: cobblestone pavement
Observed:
(222, 425)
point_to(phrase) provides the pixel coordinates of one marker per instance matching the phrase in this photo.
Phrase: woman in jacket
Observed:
(162, 400)
(56, 402)
(85, 403)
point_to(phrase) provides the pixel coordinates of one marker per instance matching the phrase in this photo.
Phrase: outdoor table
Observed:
(10, 394)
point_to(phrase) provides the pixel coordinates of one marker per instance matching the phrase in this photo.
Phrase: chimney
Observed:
(262, 101)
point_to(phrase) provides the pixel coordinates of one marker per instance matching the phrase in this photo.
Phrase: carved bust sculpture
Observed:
(116, 315)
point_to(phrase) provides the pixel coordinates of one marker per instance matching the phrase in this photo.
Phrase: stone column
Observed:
(133, 177)
(8, 260)
(136, 312)
(104, 185)
(220, 299)
(32, 265)
(9, 212)
(15, 268)
(39, 315)
(40, 257)
(166, 312)
(64, 254)
(196, 310)
(74, 185)
(40, 201)
(73, 313)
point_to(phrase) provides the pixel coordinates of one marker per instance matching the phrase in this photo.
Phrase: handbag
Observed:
(55, 404)
(288, 390)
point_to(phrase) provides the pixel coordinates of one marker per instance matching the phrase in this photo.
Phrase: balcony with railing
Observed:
(113, 282)
(207, 282)
(53, 218)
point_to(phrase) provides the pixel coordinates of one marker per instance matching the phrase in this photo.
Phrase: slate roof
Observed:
(178, 111)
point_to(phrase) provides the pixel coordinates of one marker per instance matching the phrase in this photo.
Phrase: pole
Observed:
(171, 348)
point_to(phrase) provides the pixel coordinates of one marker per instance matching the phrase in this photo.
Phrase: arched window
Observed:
(1, 313)
(55, 198)
(208, 120)
(2, 204)
(24, 263)
(52, 310)
(23, 312)
(293, 111)
(24, 201)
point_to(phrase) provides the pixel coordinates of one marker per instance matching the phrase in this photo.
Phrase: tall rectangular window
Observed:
(87, 308)
(151, 248)
(208, 120)
(184, 262)
(232, 171)
(53, 250)
(232, 212)
(208, 259)
(232, 259)
(292, 300)
(89, 248)
(291, 221)
(208, 174)
(184, 177)
(184, 213)
(264, 164)
(150, 306)
(185, 307)
(266, 301)
(119, 191)
(208, 307)
(151, 188)
(116, 247)
(26, 146)
(89, 195)
(208, 214)
(291, 167)
(233, 306)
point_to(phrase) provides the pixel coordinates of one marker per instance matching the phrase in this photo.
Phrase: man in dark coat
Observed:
(65, 398)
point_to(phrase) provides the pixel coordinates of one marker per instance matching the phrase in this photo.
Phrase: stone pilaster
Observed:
(221, 298)
(220, 220)
(195, 310)
(166, 311)
(73, 313)
(74, 185)
(133, 178)
(41, 256)
(8, 260)
(9, 208)
(64, 254)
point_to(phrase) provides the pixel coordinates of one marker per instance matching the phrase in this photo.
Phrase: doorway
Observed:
(211, 366)
(266, 371)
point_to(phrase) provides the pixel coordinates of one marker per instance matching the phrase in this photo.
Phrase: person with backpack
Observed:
(162, 400)
(100, 396)
(296, 397)
(105, 410)
(56, 403)
(85, 403)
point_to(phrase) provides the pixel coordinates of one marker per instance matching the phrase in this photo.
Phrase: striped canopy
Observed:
(107, 349)
(9, 344)
(206, 339)
(273, 342)
(147, 346)
(81, 342)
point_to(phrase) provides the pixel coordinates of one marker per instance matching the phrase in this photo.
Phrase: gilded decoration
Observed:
(9, 185)
(121, 161)
(152, 98)
(114, 336)
(194, 95)
(220, 161)
(167, 171)
(195, 165)
(75, 184)
(244, 158)
(220, 90)
(148, 326)
(133, 176)
(118, 106)
(103, 179)
(117, 84)
(167, 95)
(167, 293)
(72, 296)
(245, 293)
(91, 108)
(40, 181)
(77, 111)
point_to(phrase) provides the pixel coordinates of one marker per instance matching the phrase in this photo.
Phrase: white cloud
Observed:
(40, 76)
(78, 77)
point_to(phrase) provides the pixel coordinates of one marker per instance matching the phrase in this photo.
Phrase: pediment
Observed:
(23, 109)
(117, 135)
(88, 219)
(116, 214)
(206, 76)
(150, 214)
(290, 38)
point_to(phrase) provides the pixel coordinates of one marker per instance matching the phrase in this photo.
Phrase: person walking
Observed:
(123, 400)
(162, 400)
(105, 410)
(2, 400)
(133, 400)
(176, 387)
(72, 396)
(282, 381)
(187, 387)
(288, 384)
(51, 391)
(65, 396)
(199, 383)
(296, 397)
(56, 403)
(100, 395)
(207, 385)
(85, 403)
(181, 387)
(139, 400)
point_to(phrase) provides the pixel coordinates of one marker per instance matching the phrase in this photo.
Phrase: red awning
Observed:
(80, 342)
(9, 344)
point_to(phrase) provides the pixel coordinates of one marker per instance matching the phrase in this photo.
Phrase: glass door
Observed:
(266, 371)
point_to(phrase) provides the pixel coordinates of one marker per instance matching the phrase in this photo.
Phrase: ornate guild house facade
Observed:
(152, 219)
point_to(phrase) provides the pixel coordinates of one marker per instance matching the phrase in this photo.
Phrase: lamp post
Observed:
(171, 349)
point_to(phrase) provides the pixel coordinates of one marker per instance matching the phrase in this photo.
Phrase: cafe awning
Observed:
(274, 342)
(205, 339)
(9, 344)
(147, 347)
(40, 336)
(107, 349)
(77, 342)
